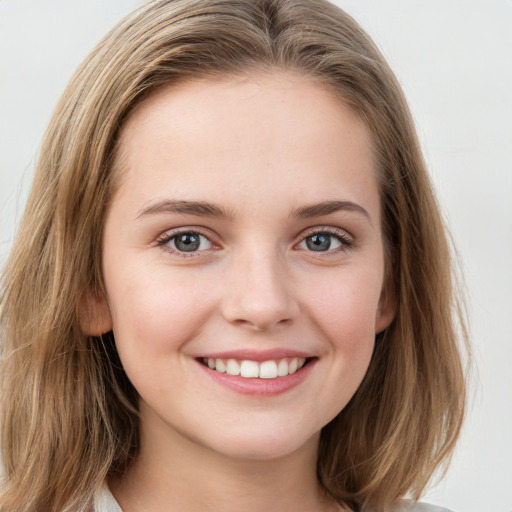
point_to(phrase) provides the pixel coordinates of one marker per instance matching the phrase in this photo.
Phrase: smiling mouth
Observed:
(249, 369)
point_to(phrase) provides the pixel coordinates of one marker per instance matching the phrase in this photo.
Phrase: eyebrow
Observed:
(207, 209)
(199, 208)
(328, 207)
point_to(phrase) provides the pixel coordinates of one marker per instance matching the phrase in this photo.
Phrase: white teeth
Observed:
(282, 368)
(232, 367)
(252, 369)
(268, 370)
(249, 369)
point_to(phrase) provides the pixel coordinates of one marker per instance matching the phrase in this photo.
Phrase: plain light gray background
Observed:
(454, 59)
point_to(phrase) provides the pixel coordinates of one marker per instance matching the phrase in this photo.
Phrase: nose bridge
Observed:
(259, 292)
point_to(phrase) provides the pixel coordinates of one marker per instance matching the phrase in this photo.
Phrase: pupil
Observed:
(318, 242)
(187, 242)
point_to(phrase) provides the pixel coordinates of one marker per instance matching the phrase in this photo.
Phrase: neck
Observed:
(176, 473)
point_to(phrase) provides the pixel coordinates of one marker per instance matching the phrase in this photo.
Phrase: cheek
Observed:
(343, 310)
(156, 311)
(345, 306)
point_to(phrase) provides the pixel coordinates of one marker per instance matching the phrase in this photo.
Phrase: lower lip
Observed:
(260, 387)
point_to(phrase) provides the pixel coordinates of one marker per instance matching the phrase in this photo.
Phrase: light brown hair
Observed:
(68, 412)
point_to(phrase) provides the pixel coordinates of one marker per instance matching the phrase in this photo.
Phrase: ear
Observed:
(386, 309)
(94, 313)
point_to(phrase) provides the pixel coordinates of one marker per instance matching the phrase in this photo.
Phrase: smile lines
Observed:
(253, 369)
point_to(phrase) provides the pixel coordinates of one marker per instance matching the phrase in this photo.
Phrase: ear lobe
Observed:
(386, 309)
(94, 314)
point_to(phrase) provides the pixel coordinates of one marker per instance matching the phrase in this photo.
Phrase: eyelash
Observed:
(342, 237)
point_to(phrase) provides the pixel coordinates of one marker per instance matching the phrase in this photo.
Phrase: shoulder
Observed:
(416, 506)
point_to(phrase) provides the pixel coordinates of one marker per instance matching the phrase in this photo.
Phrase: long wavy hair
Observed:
(69, 415)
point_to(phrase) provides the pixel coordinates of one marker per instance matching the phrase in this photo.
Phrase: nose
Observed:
(258, 293)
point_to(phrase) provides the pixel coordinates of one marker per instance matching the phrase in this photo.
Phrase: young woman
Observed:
(231, 288)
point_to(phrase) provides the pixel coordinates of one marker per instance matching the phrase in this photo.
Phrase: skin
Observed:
(262, 149)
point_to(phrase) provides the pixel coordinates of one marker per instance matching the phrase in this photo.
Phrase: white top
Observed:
(105, 502)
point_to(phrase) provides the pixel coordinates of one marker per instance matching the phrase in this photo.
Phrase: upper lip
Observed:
(256, 355)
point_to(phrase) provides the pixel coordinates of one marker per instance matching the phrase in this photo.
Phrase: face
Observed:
(243, 262)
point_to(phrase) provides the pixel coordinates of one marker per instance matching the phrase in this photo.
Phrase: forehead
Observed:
(199, 137)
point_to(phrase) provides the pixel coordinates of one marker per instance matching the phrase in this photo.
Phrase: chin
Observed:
(265, 446)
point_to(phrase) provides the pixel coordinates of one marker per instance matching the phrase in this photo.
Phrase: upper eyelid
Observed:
(171, 233)
(331, 230)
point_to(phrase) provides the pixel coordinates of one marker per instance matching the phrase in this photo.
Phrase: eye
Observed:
(325, 241)
(187, 242)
